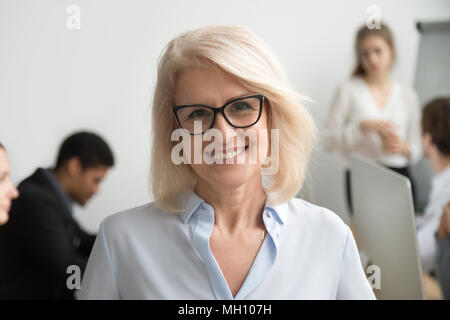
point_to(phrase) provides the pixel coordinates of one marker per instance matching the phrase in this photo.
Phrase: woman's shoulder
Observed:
(314, 217)
(144, 217)
(406, 93)
(350, 86)
(351, 83)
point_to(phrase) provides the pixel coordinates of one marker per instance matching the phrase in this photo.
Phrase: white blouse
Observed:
(428, 224)
(353, 103)
(146, 253)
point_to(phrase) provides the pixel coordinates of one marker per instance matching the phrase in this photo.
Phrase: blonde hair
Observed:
(240, 53)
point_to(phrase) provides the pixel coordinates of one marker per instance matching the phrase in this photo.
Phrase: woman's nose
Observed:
(14, 192)
(222, 124)
(227, 131)
(373, 57)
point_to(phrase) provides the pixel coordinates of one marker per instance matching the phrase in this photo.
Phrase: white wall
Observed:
(54, 80)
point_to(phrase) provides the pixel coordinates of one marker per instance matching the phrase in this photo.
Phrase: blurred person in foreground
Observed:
(7, 190)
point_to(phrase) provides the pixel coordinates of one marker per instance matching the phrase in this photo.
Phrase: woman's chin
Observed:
(232, 177)
(4, 216)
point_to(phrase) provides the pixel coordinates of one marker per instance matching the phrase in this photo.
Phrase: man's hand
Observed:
(444, 227)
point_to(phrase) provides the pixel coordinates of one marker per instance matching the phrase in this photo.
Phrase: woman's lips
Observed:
(226, 154)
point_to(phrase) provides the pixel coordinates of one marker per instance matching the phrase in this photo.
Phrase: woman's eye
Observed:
(197, 113)
(241, 107)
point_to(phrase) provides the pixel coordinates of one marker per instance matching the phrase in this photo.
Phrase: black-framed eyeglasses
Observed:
(239, 113)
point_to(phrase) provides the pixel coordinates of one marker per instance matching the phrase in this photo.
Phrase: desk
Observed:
(432, 287)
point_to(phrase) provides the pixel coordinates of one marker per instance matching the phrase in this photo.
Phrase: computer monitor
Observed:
(385, 229)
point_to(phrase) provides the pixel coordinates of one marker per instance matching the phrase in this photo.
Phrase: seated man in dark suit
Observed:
(42, 239)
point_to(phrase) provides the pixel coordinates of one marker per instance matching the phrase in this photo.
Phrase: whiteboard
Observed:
(433, 63)
(432, 80)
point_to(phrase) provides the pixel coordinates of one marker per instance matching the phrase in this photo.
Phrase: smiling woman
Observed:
(215, 56)
(215, 230)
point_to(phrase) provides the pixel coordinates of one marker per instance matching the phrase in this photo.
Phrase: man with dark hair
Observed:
(42, 239)
(434, 242)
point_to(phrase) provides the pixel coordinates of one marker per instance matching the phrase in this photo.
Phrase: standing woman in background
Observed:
(373, 115)
(7, 190)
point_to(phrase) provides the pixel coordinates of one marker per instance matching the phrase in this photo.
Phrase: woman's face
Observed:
(7, 190)
(215, 88)
(375, 55)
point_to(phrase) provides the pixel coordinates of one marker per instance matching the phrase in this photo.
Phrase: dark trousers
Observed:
(403, 171)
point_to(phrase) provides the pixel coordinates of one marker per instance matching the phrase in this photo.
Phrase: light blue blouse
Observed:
(145, 253)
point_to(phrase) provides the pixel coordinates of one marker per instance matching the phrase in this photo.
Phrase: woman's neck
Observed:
(378, 80)
(235, 209)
